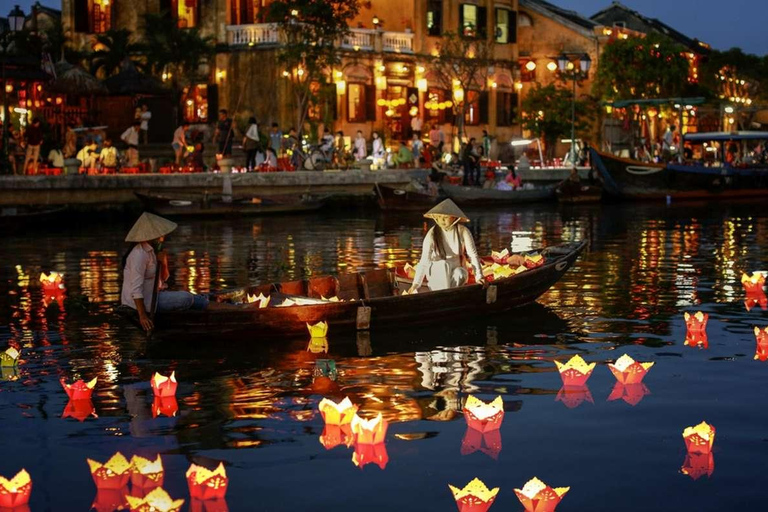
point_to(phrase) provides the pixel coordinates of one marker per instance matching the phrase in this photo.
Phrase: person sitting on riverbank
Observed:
(131, 139)
(404, 157)
(446, 247)
(88, 156)
(108, 157)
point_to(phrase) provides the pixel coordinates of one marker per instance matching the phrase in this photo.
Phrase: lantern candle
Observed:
(474, 497)
(576, 371)
(146, 473)
(113, 474)
(80, 390)
(337, 414)
(51, 281)
(484, 416)
(205, 484)
(628, 371)
(699, 439)
(536, 496)
(163, 386)
(372, 431)
(157, 500)
(109, 500)
(15, 492)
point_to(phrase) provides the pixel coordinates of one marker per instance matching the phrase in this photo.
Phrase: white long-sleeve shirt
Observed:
(454, 240)
(139, 276)
(378, 149)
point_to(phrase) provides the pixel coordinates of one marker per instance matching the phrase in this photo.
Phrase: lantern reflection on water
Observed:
(109, 500)
(79, 409)
(699, 439)
(632, 394)
(484, 416)
(761, 336)
(196, 505)
(697, 465)
(628, 371)
(157, 500)
(474, 497)
(113, 474)
(696, 339)
(488, 443)
(337, 414)
(318, 345)
(574, 396)
(80, 390)
(205, 484)
(163, 386)
(15, 492)
(335, 435)
(576, 371)
(370, 454)
(536, 496)
(166, 406)
(146, 473)
(756, 298)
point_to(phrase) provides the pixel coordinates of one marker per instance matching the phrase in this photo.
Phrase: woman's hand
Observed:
(145, 321)
(482, 281)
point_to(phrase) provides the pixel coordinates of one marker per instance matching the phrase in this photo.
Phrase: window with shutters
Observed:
(476, 108)
(434, 17)
(506, 108)
(186, 12)
(506, 26)
(93, 16)
(195, 103)
(472, 21)
(356, 103)
(241, 12)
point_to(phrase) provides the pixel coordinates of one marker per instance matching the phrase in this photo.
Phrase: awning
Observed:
(721, 136)
(656, 102)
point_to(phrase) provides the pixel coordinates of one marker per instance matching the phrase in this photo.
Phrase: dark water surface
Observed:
(252, 404)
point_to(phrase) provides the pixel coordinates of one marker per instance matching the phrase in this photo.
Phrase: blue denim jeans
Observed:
(179, 301)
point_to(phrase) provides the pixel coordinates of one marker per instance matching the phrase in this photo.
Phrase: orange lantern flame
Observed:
(372, 431)
(474, 497)
(146, 473)
(166, 406)
(696, 322)
(697, 465)
(536, 496)
(632, 394)
(533, 261)
(761, 336)
(484, 416)
(261, 299)
(628, 371)
(574, 396)
(15, 492)
(755, 282)
(337, 414)
(79, 409)
(576, 371)
(370, 454)
(699, 439)
(335, 435)
(488, 443)
(80, 390)
(113, 474)
(9, 358)
(163, 386)
(156, 501)
(205, 484)
(697, 339)
(501, 258)
(318, 330)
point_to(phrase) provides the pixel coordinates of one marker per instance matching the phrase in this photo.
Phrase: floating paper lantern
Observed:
(146, 473)
(196, 505)
(699, 439)
(335, 435)
(79, 409)
(109, 500)
(371, 431)
(113, 474)
(696, 339)
(262, 301)
(15, 492)
(630, 393)
(628, 371)
(318, 345)
(80, 390)
(761, 336)
(502, 271)
(163, 386)
(318, 330)
(755, 282)
(576, 371)
(474, 497)
(501, 258)
(370, 454)
(9, 358)
(156, 501)
(52, 281)
(756, 298)
(534, 261)
(484, 416)
(337, 414)
(9, 373)
(331, 299)
(488, 443)
(536, 496)
(697, 465)
(165, 406)
(696, 322)
(574, 396)
(205, 484)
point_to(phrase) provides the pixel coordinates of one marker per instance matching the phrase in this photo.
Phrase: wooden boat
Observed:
(626, 178)
(20, 216)
(366, 300)
(403, 199)
(205, 205)
(476, 196)
(569, 192)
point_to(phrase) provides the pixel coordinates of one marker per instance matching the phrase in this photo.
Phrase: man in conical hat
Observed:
(444, 250)
(141, 267)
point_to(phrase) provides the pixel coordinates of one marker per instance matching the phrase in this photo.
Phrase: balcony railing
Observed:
(359, 39)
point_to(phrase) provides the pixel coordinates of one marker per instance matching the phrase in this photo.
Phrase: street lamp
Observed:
(15, 24)
(584, 64)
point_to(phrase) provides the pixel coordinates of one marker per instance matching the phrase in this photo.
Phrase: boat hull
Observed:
(476, 196)
(639, 180)
(386, 312)
(184, 206)
(400, 199)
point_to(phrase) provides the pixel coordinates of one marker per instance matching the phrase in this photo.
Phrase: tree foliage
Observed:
(737, 65)
(311, 31)
(114, 47)
(546, 112)
(641, 67)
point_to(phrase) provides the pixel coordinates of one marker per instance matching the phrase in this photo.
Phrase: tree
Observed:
(546, 112)
(641, 67)
(114, 47)
(312, 29)
(461, 65)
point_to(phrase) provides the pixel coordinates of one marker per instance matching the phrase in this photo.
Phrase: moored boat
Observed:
(402, 198)
(20, 216)
(578, 193)
(477, 196)
(205, 205)
(694, 179)
(365, 300)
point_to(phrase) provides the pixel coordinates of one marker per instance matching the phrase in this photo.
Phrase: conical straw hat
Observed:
(149, 227)
(449, 208)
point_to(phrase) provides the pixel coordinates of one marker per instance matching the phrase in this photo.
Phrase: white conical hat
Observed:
(148, 227)
(447, 207)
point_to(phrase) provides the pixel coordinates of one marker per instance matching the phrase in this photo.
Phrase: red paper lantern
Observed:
(162, 386)
(372, 431)
(15, 492)
(205, 484)
(157, 500)
(196, 505)
(370, 454)
(761, 336)
(335, 435)
(756, 298)
(146, 473)
(696, 323)
(628, 371)
(113, 474)
(575, 372)
(80, 390)
(474, 497)
(337, 413)
(697, 339)
(109, 500)
(536, 496)
(699, 439)
(484, 416)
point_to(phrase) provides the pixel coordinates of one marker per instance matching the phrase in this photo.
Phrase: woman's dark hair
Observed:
(437, 237)
(252, 120)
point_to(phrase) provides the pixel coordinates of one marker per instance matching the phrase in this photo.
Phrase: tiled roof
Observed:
(572, 16)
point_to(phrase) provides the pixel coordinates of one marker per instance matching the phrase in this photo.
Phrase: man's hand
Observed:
(146, 322)
(482, 281)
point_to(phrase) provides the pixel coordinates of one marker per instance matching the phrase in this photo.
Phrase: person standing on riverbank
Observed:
(131, 138)
(361, 150)
(251, 144)
(276, 138)
(179, 143)
(144, 117)
(34, 138)
(223, 134)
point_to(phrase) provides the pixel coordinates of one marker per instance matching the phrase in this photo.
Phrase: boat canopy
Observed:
(721, 136)
(655, 102)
